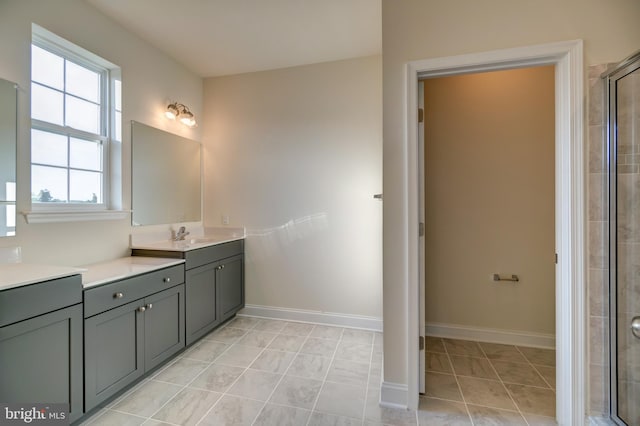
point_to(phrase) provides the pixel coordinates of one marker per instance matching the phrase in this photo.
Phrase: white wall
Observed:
(419, 29)
(295, 156)
(149, 80)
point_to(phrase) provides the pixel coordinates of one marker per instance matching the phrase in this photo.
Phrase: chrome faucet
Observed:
(182, 232)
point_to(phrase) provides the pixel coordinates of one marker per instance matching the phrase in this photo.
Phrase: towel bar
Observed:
(512, 277)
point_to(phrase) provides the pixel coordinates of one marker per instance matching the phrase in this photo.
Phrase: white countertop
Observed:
(199, 238)
(125, 267)
(19, 274)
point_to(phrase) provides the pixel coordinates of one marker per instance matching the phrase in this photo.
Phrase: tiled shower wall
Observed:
(598, 232)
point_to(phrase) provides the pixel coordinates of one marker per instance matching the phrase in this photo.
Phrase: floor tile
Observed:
(487, 416)
(259, 339)
(273, 361)
(462, 347)
(535, 420)
(438, 412)
(147, 399)
(473, 367)
(539, 356)
(548, 374)
(273, 326)
(499, 352)
(187, 407)
(488, 393)
(297, 392)
(182, 371)
(297, 329)
(309, 366)
(232, 410)
(206, 350)
(321, 347)
(217, 377)
(327, 332)
(111, 418)
(534, 400)
(434, 344)
(255, 384)
(357, 336)
(518, 373)
(226, 335)
(344, 371)
(239, 355)
(246, 323)
(272, 415)
(284, 342)
(324, 419)
(342, 400)
(354, 351)
(438, 362)
(152, 422)
(443, 386)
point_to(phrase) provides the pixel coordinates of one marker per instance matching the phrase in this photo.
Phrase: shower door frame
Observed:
(610, 77)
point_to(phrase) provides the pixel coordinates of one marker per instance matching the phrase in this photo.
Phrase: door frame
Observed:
(567, 57)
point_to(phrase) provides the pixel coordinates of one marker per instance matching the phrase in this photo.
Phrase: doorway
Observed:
(489, 211)
(569, 189)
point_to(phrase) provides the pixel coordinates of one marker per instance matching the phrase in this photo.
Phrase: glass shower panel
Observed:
(624, 128)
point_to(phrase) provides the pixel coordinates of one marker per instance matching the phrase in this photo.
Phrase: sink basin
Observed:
(202, 240)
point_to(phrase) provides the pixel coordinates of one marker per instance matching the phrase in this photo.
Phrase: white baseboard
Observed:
(316, 317)
(491, 335)
(394, 395)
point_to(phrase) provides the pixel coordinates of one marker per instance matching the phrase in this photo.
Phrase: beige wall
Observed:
(295, 156)
(489, 186)
(419, 29)
(149, 79)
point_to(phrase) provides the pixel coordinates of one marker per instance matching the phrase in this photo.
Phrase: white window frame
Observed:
(65, 212)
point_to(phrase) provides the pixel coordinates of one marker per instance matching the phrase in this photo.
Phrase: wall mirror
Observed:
(7, 158)
(166, 178)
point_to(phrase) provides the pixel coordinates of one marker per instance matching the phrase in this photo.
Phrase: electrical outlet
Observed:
(225, 219)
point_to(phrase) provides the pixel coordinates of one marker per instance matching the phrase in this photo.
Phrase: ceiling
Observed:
(222, 37)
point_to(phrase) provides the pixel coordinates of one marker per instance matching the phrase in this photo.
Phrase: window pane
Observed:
(10, 191)
(48, 148)
(117, 89)
(48, 184)
(86, 187)
(46, 104)
(11, 216)
(83, 82)
(82, 115)
(47, 68)
(86, 154)
(118, 126)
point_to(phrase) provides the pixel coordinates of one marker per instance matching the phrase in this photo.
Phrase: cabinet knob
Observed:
(142, 309)
(118, 295)
(149, 305)
(166, 280)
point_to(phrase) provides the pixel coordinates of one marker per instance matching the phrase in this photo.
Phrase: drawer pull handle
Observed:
(149, 305)
(142, 309)
(166, 280)
(118, 295)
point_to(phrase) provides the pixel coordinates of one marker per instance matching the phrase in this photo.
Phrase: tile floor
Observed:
(475, 383)
(256, 371)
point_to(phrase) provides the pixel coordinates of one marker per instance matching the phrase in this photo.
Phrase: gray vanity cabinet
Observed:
(128, 340)
(41, 344)
(214, 284)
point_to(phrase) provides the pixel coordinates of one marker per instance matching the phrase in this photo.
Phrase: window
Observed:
(75, 115)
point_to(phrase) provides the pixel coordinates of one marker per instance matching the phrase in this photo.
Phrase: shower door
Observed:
(624, 149)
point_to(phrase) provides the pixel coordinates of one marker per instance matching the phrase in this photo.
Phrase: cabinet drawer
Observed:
(24, 302)
(199, 257)
(112, 295)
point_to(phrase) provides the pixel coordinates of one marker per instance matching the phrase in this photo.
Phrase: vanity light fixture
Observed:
(181, 111)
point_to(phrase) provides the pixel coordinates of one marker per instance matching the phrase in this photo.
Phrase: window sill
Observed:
(69, 216)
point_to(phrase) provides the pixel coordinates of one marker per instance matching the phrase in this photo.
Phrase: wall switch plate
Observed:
(225, 219)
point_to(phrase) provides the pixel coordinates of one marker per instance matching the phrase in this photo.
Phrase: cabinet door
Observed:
(230, 286)
(114, 357)
(41, 360)
(201, 311)
(163, 325)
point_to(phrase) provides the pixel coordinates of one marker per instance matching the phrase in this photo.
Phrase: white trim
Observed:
(491, 335)
(393, 395)
(66, 216)
(316, 317)
(570, 206)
